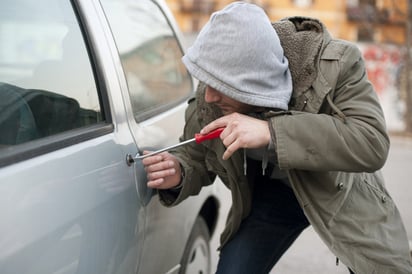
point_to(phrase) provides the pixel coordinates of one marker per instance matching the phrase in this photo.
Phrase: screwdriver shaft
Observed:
(165, 149)
(199, 138)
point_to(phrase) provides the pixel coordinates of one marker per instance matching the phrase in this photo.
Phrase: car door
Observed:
(156, 83)
(68, 197)
(156, 89)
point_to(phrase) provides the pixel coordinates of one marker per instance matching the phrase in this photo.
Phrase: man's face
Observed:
(225, 103)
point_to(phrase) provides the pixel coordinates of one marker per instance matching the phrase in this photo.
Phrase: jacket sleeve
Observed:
(191, 158)
(347, 134)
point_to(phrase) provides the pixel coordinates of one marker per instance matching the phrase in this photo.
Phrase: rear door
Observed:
(68, 199)
(156, 83)
(156, 89)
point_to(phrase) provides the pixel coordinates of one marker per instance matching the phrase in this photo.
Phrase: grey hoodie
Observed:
(239, 54)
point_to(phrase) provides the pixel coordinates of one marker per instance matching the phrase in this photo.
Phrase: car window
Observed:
(150, 55)
(47, 84)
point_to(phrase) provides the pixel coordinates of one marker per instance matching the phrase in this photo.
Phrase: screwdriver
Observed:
(199, 138)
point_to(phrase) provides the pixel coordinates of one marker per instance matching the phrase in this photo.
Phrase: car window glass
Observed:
(149, 53)
(46, 79)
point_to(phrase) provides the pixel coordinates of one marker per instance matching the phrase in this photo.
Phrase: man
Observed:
(290, 156)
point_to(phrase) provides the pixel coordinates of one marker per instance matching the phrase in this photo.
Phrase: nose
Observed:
(211, 95)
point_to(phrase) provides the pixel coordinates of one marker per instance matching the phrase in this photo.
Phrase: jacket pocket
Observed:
(366, 208)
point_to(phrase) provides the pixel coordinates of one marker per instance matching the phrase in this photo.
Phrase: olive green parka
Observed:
(332, 142)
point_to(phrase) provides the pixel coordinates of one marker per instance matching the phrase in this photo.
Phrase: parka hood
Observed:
(302, 39)
(239, 54)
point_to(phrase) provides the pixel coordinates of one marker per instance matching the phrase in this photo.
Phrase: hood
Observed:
(302, 39)
(238, 53)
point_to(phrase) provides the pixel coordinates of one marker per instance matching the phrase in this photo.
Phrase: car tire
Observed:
(196, 257)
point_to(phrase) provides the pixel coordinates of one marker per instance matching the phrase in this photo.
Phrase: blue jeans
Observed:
(275, 221)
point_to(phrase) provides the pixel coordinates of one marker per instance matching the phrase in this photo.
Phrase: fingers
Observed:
(163, 171)
(233, 140)
(240, 131)
(218, 123)
(158, 178)
(156, 163)
(160, 170)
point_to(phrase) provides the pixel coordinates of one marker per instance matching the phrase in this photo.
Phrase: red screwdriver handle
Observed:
(199, 138)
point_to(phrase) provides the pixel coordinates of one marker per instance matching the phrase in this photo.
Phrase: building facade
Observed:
(382, 21)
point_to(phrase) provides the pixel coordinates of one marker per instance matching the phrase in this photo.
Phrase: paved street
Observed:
(309, 255)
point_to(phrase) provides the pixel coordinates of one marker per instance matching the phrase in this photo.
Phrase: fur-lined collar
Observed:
(302, 39)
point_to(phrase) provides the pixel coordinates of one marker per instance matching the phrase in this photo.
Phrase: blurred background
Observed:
(381, 28)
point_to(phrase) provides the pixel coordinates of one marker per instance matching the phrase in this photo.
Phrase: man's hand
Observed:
(241, 131)
(163, 170)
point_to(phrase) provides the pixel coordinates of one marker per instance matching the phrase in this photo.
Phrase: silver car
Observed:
(85, 86)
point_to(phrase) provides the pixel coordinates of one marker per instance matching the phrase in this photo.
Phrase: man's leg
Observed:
(276, 220)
